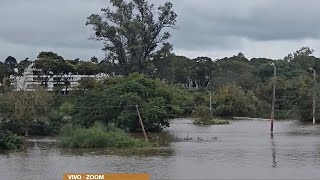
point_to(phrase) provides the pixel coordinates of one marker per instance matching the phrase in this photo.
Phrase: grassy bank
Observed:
(98, 136)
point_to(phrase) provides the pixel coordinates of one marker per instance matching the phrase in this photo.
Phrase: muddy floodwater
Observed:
(241, 150)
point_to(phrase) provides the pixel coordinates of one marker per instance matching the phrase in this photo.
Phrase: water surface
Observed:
(241, 150)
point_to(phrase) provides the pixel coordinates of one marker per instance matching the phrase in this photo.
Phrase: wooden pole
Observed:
(273, 95)
(141, 123)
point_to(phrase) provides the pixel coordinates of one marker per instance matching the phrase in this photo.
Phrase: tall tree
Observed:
(52, 64)
(4, 72)
(22, 65)
(131, 31)
(87, 68)
(162, 63)
(202, 70)
(94, 59)
(11, 62)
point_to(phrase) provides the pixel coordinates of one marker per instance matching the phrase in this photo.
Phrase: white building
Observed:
(32, 78)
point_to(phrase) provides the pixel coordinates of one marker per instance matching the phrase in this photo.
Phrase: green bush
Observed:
(40, 128)
(231, 100)
(203, 116)
(116, 103)
(8, 140)
(97, 136)
(12, 126)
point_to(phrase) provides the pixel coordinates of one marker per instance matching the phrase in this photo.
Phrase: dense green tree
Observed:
(87, 83)
(131, 31)
(87, 68)
(231, 100)
(22, 65)
(4, 71)
(181, 70)
(52, 64)
(11, 62)
(162, 61)
(116, 102)
(94, 59)
(260, 61)
(24, 107)
(234, 70)
(202, 70)
(108, 68)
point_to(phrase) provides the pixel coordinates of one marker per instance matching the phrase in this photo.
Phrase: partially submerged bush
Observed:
(203, 116)
(98, 136)
(116, 103)
(8, 140)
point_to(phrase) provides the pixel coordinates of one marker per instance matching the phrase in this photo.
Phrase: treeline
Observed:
(114, 103)
(241, 80)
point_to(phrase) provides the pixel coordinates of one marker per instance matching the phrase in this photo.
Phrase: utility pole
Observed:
(141, 123)
(273, 94)
(314, 96)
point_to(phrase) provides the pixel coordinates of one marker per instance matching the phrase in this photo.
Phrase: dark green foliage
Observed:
(87, 83)
(4, 71)
(11, 63)
(87, 68)
(203, 116)
(234, 71)
(12, 126)
(8, 140)
(23, 65)
(40, 128)
(231, 100)
(116, 103)
(202, 70)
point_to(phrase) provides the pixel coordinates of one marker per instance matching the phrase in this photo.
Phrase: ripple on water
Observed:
(243, 149)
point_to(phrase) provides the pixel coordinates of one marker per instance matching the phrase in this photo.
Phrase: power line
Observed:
(104, 107)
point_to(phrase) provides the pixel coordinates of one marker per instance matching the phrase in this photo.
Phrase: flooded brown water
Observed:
(241, 150)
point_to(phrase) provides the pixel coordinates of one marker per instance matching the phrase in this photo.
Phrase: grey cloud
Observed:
(217, 25)
(43, 23)
(203, 25)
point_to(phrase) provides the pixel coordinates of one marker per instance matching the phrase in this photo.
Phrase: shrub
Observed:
(12, 126)
(97, 136)
(40, 128)
(203, 116)
(8, 140)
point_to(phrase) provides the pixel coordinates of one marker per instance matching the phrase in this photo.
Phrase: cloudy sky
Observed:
(214, 28)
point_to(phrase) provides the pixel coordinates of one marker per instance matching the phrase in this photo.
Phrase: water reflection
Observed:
(241, 150)
(274, 151)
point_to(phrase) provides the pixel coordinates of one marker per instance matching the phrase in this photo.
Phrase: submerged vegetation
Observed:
(204, 116)
(98, 136)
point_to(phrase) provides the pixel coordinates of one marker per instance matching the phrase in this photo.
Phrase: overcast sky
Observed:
(213, 28)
